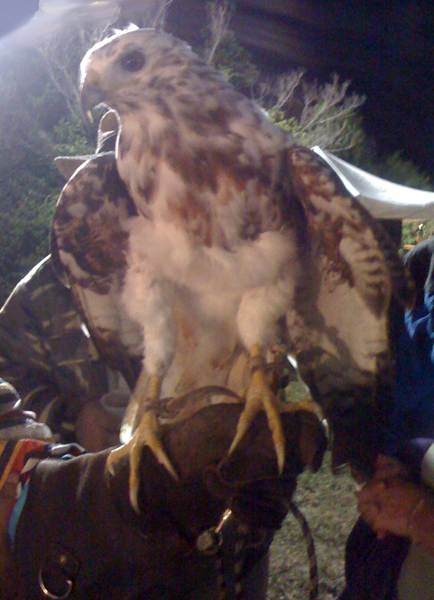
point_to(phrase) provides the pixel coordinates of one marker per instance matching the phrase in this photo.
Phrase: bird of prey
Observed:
(242, 240)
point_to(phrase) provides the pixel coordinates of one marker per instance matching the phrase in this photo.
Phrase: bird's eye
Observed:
(133, 61)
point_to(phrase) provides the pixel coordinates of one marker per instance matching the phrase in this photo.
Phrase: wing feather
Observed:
(89, 245)
(340, 321)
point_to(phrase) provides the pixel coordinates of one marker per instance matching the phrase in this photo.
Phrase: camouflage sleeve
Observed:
(45, 351)
(24, 357)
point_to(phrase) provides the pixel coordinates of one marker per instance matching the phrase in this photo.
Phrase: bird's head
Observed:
(119, 70)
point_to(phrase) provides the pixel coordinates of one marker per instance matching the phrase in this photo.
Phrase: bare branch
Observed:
(161, 14)
(286, 86)
(314, 114)
(60, 64)
(220, 14)
(152, 13)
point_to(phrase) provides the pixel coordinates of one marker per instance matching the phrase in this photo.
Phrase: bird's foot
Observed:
(260, 397)
(146, 434)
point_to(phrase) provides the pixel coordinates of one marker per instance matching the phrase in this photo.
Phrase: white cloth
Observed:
(427, 467)
(383, 199)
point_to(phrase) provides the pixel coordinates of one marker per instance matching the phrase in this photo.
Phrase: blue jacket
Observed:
(411, 430)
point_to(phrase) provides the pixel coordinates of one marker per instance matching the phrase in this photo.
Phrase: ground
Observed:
(328, 503)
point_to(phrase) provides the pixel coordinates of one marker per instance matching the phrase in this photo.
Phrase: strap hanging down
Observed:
(228, 542)
(313, 565)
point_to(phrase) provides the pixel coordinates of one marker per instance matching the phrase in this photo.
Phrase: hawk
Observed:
(242, 240)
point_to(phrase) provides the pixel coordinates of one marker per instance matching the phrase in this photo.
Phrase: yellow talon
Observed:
(116, 455)
(260, 396)
(146, 434)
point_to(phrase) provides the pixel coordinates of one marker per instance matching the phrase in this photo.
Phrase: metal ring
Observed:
(209, 542)
(47, 592)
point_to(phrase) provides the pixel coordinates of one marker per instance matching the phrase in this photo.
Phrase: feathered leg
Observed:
(258, 316)
(149, 300)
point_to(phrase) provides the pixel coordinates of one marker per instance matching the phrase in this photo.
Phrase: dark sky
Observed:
(386, 48)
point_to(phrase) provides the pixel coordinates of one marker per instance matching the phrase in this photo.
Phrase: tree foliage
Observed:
(40, 118)
(222, 49)
(315, 114)
(234, 60)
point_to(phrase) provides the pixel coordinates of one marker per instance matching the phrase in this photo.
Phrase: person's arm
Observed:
(46, 354)
(24, 356)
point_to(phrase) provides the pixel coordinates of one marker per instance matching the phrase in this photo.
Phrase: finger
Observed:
(366, 506)
(388, 468)
(370, 515)
(371, 492)
(399, 497)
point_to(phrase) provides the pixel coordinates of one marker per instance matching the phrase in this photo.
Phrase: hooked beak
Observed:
(91, 94)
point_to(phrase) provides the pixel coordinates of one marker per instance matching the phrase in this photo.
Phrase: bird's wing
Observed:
(89, 242)
(339, 324)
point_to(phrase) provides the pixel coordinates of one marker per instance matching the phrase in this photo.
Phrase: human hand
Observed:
(389, 506)
(387, 467)
(99, 422)
(387, 502)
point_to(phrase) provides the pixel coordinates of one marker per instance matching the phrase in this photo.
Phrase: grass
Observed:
(328, 503)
